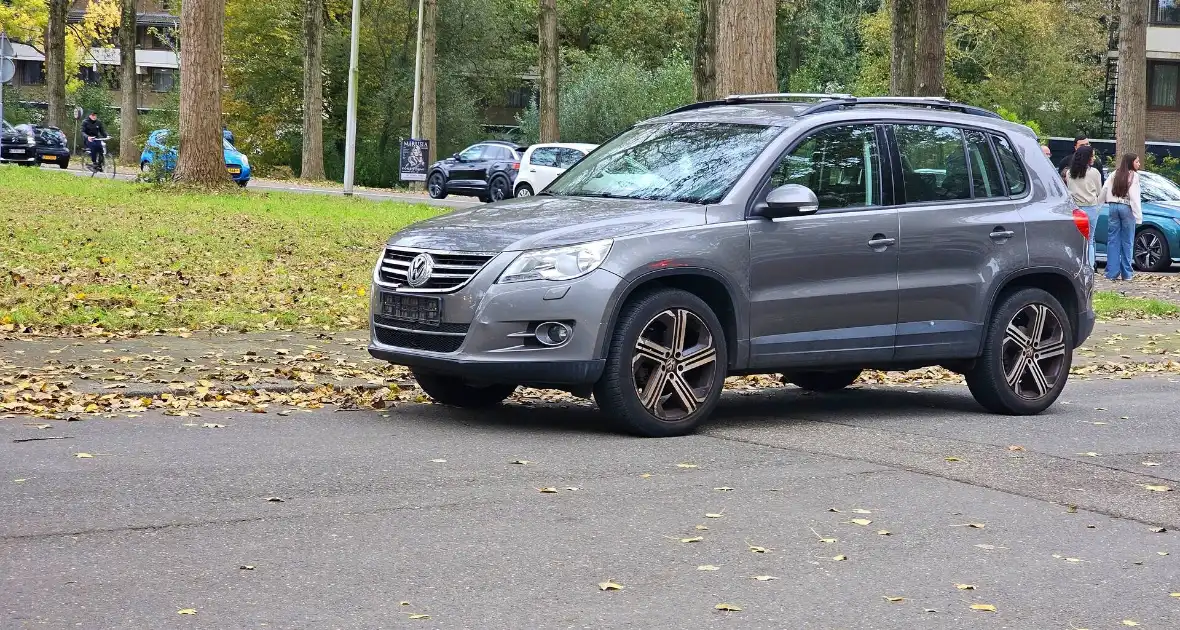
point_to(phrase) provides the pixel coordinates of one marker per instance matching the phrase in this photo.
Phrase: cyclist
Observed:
(93, 129)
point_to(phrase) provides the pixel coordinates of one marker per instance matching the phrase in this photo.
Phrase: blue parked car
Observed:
(1157, 241)
(157, 148)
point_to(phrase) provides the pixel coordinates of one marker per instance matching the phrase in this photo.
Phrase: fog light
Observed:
(553, 333)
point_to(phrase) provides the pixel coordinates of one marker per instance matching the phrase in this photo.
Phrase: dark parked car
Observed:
(17, 146)
(486, 170)
(52, 145)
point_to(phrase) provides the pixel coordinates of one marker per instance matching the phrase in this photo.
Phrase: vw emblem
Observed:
(420, 269)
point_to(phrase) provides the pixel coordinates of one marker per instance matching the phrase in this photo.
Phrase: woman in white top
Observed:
(1085, 184)
(1121, 192)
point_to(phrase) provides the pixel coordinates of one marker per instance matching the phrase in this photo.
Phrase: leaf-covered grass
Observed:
(1111, 304)
(79, 252)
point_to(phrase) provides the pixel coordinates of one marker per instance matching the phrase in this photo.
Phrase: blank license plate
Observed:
(49, 158)
(422, 309)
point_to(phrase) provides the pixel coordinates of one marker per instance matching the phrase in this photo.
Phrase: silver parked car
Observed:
(810, 236)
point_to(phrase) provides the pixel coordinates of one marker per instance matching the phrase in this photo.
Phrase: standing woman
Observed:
(1121, 192)
(1085, 184)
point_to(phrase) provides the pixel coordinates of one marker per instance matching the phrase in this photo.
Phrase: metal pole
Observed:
(353, 76)
(3, 45)
(417, 77)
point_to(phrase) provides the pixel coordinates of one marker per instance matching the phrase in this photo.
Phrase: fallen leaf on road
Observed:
(833, 510)
(763, 578)
(1128, 622)
(965, 587)
(187, 611)
(1158, 530)
(1161, 553)
(419, 616)
(1173, 594)
(609, 586)
(686, 465)
(827, 541)
(275, 499)
(247, 567)
(520, 462)
(728, 607)
(860, 511)
(36, 425)
(646, 475)
(859, 521)
(983, 607)
(1071, 509)
(893, 598)
(717, 515)
(1151, 463)
(1158, 488)
(971, 525)
(884, 532)
(83, 455)
(212, 425)
(757, 549)
(549, 490)
(840, 558)
(692, 540)
(708, 567)
(570, 488)
(701, 528)
(723, 489)
(987, 547)
(438, 461)
(1016, 447)
(1073, 560)
(1089, 454)
(952, 459)
(19, 480)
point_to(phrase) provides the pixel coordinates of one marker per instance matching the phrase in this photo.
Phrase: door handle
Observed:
(881, 241)
(532, 170)
(1000, 234)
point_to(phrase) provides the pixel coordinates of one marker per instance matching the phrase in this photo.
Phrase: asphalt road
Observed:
(368, 193)
(165, 513)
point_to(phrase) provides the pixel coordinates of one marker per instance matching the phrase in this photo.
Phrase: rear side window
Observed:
(985, 173)
(1013, 171)
(544, 156)
(933, 163)
(493, 152)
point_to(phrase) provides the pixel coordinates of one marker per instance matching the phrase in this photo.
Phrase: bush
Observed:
(603, 95)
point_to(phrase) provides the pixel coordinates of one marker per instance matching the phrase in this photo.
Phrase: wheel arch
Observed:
(709, 285)
(1053, 281)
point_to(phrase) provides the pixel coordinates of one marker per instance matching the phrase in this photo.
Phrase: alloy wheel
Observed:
(674, 364)
(524, 192)
(497, 191)
(1149, 249)
(1034, 352)
(436, 186)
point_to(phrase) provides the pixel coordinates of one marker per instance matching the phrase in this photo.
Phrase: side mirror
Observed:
(788, 201)
(456, 157)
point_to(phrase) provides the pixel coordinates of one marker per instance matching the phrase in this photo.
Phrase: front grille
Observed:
(409, 325)
(418, 340)
(450, 272)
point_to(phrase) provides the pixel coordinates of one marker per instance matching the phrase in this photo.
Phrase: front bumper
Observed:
(28, 155)
(486, 329)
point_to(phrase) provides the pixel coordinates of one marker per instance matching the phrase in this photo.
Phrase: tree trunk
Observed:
(930, 62)
(1131, 92)
(704, 71)
(313, 91)
(745, 47)
(201, 161)
(547, 43)
(55, 62)
(901, 62)
(129, 86)
(428, 124)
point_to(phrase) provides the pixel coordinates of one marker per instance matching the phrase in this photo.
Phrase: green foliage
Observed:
(819, 44)
(1035, 58)
(1011, 116)
(602, 95)
(16, 113)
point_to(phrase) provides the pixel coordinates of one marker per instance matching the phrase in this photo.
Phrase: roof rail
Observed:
(784, 95)
(928, 102)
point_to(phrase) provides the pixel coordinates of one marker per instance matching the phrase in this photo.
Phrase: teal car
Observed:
(1157, 241)
(158, 150)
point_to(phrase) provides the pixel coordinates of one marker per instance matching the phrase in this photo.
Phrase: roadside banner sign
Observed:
(413, 160)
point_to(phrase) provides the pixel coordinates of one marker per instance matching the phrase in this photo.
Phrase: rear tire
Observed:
(666, 365)
(822, 381)
(1026, 356)
(499, 188)
(456, 392)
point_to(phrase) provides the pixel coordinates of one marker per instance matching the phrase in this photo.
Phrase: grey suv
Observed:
(813, 236)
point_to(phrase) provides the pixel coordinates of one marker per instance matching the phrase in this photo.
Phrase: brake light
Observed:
(516, 166)
(1082, 221)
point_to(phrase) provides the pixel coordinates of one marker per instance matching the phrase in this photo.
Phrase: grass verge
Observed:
(85, 252)
(1110, 304)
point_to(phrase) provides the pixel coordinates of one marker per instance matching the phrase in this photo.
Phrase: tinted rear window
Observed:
(1014, 175)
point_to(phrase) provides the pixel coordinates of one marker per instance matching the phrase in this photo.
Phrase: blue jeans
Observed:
(1092, 212)
(1120, 242)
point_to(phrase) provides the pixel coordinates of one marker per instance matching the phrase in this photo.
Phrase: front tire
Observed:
(63, 165)
(1026, 356)
(822, 382)
(1151, 252)
(524, 191)
(456, 392)
(437, 186)
(666, 365)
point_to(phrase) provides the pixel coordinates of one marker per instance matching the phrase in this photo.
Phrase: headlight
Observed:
(30, 140)
(559, 263)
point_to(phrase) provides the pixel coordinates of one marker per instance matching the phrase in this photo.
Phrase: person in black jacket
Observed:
(1080, 141)
(92, 129)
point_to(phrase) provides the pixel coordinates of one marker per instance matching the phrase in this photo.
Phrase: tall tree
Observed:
(1131, 92)
(930, 59)
(55, 61)
(547, 44)
(201, 161)
(128, 84)
(313, 91)
(901, 67)
(704, 71)
(428, 124)
(736, 39)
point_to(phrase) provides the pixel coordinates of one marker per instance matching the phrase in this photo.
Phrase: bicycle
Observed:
(98, 164)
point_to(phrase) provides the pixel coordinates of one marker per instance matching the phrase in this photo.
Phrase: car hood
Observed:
(545, 221)
(1162, 208)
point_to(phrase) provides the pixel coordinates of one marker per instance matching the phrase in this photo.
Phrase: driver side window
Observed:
(841, 165)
